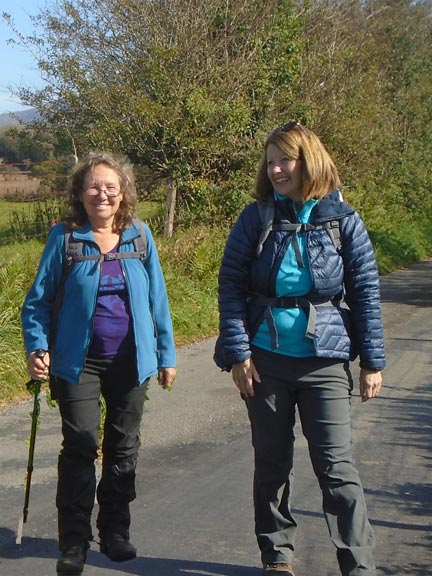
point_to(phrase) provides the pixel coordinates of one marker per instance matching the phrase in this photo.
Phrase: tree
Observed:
(183, 88)
(188, 90)
(24, 144)
(366, 77)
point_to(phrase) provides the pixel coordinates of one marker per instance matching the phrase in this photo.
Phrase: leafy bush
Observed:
(206, 202)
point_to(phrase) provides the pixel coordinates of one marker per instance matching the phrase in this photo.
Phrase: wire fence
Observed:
(33, 195)
(33, 198)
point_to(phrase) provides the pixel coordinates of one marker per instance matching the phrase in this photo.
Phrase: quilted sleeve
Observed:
(362, 292)
(233, 342)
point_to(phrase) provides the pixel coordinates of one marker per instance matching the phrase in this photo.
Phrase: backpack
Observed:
(266, 213)
(74, 250)
(73, 253)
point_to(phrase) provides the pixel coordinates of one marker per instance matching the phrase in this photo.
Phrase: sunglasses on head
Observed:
(290, 126)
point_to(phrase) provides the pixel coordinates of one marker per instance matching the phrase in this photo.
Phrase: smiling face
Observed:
(284, 173)
(100, 207)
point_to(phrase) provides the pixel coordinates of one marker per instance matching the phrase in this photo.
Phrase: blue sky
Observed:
(17, 67)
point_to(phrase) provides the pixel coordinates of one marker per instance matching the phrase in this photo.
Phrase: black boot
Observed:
(117, 547)
(72, 560)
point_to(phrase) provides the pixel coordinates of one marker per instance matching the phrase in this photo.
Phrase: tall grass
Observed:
(191, 263)
(17, 267)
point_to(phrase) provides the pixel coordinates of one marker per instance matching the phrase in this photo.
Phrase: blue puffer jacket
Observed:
(154, 341)
(339, 332)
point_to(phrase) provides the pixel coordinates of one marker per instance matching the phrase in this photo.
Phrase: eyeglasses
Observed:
(290, 126)
(109, 190)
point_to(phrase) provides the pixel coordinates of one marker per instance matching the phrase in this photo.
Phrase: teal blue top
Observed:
(291, 281)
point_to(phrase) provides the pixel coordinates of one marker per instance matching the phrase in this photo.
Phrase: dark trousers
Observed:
(321, 390)
(80, 409)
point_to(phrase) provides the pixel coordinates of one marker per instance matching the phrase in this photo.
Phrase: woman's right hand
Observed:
(245, 375)
(38, 364)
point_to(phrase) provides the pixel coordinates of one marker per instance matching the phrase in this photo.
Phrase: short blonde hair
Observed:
(319, 173)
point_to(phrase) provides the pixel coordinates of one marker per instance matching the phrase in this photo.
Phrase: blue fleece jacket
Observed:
(153, 333)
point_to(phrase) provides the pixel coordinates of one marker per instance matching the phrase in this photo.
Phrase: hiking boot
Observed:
(72, 560)
(117, 547)
(278, 570)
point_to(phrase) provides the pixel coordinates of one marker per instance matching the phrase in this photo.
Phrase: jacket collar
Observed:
(331, 207)
(86, 233)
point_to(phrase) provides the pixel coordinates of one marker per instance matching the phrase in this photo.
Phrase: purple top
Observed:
(112, 322)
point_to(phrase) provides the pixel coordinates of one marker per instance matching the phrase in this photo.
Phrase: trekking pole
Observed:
(33, 386)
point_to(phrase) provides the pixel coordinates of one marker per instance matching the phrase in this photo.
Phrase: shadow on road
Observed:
(393, 286)
(410, 419)
(141, 566)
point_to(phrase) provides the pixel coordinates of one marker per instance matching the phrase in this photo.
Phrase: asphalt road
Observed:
(193, 514)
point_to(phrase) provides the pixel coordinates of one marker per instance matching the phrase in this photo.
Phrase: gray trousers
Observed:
(321, 390)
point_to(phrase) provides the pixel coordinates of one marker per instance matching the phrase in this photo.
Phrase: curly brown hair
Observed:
(319, 173)
(76, 214)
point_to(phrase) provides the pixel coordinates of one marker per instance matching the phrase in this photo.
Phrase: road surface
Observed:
(194, 515)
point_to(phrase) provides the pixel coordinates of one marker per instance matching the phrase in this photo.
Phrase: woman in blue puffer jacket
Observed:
(299, 298)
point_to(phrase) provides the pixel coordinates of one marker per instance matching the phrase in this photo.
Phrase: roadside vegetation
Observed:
(190, 92)
(190, 259)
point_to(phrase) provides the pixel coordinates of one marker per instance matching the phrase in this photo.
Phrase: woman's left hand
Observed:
(370, 383)
(166, 377)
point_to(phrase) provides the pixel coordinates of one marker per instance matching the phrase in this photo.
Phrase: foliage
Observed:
(191, 261)
(366, 83)
(36, 220)
(189, 90)
(15, 264)
(210, 203)
(25, 145)
(186, 87)
(399, 246)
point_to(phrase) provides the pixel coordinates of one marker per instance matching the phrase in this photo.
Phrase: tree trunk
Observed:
(170, 209)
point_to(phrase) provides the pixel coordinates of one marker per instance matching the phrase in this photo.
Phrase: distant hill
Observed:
(11, 118)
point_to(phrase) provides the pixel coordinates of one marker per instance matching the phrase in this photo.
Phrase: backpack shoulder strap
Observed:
(74, 249)
(71, 252)
(332, 227)
(140, 243)
(266, 213)
(335, 235)
(140, 246)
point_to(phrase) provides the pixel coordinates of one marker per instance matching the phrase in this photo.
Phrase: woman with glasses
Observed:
(112, 332)
(299, 298)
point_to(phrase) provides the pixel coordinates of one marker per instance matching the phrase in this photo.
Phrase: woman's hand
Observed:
(166, 377)
(245, 375)
(38, 364)
(370, 383)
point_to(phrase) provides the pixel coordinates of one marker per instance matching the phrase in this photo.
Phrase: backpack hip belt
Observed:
(291, 302)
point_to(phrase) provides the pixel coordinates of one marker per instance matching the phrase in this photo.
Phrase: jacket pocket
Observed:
(333, 333)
